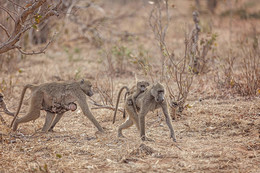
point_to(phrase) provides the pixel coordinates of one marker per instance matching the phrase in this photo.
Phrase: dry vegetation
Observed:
(112, 43)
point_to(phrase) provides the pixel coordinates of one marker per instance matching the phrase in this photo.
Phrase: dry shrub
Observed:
(241, 68)
(117, 59)
(105, 88)
(177, 71)
(250, 68)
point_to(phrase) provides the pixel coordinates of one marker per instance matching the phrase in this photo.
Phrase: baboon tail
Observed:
(21, 101)
(117, 102)
(127, 93)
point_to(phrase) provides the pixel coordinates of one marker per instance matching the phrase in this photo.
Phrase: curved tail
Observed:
(117, 102)
(127, 93)
(21, 101)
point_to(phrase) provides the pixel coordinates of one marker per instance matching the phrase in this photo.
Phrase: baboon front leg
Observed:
(48, 121)
(85, 109)
(56, 120)
(128, 123)
(168, 120)
(142, 127)
(142, 115)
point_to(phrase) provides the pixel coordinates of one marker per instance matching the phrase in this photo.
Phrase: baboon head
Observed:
(72, 106)
(86, 87)
(157, 92)
(142, 85)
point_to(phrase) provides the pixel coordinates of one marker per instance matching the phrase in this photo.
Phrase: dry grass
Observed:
(218, 132)
(214, 136)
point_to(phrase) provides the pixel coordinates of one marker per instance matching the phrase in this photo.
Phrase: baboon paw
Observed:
(43, 131)
(120, 136)
(174, 139)
(144, 138)
(101, 130)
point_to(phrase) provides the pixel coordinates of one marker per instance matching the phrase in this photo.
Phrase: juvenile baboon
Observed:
(60, 108)
(45, 96)
(140, 88)
(151, 99)
(133, 93)
(3, 106)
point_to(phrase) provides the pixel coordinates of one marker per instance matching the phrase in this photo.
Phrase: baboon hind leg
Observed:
(133, 115)
(33, 113)
(128, 123)
(56, 120)
(48, 121)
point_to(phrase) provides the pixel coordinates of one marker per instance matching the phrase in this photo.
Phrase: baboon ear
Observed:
(153, 92)
(82, 81)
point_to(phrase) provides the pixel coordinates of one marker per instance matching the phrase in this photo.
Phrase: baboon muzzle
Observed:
(90, 93)
(160, 100)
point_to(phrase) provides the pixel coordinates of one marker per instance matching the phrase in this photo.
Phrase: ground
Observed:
(219, 131)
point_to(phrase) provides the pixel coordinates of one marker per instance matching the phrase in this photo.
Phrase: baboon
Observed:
(3, 106)
(59, 108)
(55, 107)
(47, 96)
(151, 99)
(140, 88)
(133, 93)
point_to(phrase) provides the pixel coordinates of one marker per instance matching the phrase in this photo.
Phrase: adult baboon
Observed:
(48, 95)
(151, 99)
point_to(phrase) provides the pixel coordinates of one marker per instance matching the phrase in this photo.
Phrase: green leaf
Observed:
(58, 155)
(35, 26)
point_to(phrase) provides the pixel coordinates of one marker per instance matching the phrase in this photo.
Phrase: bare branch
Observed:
(16, 4)
(23, 24)
(4, 28)
(19, 23)
(8, 12)
(37, 52)
(10, 44)
(107, 107)
(99, 106)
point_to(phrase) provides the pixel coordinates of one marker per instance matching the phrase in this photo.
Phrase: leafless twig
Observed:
(22, 24)
(37, 52)
(4, 28)
(100, 106)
